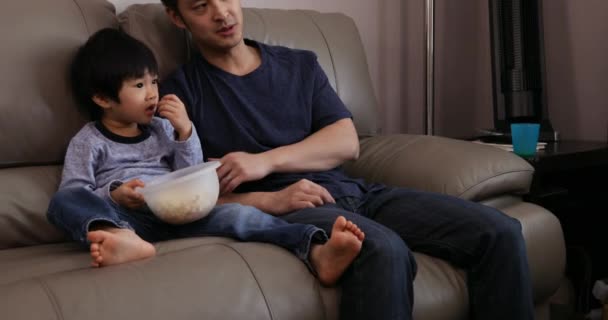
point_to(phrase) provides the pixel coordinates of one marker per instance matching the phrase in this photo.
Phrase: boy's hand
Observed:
(126, 196)
(172, 108)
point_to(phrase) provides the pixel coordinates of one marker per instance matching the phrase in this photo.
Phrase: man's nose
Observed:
(220, 10)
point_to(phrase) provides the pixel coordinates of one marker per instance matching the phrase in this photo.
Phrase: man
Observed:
(282, 132)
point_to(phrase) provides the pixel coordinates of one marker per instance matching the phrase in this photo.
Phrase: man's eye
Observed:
(199, 5)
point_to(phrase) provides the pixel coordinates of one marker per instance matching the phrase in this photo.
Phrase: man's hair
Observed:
(171, 4)
(104, 62)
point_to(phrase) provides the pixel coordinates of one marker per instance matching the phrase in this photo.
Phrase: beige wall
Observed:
(576, 66)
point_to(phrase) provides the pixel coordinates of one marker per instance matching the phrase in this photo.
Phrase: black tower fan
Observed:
(518, 66)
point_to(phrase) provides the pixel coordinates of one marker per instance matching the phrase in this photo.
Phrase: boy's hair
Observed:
(104, 62)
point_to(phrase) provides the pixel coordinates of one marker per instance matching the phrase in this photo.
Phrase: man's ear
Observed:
(102, 101)
(176, 18)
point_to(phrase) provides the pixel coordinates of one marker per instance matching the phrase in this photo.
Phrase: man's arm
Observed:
(300, 195)
(323, 150)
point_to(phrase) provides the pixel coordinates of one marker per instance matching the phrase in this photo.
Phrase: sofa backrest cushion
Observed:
(39, 39)
(332, 36)
(39, 115)
(24, 196)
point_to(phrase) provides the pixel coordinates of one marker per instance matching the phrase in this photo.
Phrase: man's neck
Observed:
(240, 60)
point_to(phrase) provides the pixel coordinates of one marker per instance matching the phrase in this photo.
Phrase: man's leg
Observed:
(378, 284)
(483, 240)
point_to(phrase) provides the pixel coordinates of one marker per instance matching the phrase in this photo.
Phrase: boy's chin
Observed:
(146, 121)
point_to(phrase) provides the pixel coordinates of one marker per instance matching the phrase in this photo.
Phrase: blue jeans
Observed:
(485, 242)
(74, 210)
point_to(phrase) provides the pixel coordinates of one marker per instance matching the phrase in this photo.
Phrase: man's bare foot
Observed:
(114, 246)
(331, 259)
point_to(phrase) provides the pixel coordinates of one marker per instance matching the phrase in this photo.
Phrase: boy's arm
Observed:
(186, 153)
(79, 169)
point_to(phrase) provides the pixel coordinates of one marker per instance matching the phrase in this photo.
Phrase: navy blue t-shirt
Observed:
(286, 99)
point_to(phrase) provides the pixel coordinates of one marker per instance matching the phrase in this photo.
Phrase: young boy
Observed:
(115, 77)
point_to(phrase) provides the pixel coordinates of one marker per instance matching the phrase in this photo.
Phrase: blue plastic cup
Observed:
(525, 138)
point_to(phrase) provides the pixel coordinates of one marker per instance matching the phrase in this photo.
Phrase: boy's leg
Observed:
(328, 259)
(379, 282)
(482, 240)
(75, 210)
(107, 231)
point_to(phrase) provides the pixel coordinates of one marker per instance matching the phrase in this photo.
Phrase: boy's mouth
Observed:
(151, 109)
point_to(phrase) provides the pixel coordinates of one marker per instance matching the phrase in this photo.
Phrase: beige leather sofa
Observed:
(42, 276)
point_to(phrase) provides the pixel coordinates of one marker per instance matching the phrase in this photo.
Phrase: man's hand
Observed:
(239, 167)
(300, 195)
(173, 109)
(126, 196)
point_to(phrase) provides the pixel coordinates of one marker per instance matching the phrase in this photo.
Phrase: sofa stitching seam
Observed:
(261, 17)
(86, 25)
(52, 298)
(255, 278)
(492, 177)
(331, 56)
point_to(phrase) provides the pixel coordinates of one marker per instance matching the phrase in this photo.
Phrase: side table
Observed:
(571, 180)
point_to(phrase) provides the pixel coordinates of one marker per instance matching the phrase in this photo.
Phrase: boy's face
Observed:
(214, 24)
(138, 99)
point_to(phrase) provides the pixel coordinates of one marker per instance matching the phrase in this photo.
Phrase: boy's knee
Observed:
(237, 210)
(73, 195)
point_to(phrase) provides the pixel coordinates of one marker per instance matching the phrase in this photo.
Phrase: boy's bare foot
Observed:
(331, 259)
(114, 246)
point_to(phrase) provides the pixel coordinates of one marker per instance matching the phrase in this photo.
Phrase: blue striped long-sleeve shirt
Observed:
(96, 157)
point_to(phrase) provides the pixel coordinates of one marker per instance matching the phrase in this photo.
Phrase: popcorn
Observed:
(184, 195)
(182, 208)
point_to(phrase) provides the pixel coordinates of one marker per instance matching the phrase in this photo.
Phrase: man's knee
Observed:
(507, 230)
(387, 248)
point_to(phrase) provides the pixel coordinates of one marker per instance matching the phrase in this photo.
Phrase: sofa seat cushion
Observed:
(438, 283)
(212, 278)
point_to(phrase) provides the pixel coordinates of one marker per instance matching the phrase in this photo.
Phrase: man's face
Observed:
(215, 24)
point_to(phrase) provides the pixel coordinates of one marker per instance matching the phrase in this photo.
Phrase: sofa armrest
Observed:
(455, 167)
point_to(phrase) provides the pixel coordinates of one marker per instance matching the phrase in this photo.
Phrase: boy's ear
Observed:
(102, 101)
(176, 18)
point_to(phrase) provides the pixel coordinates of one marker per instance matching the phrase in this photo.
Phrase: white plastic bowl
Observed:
(184, 195)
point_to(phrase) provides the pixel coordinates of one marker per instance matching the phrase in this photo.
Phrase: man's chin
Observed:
(223, 44)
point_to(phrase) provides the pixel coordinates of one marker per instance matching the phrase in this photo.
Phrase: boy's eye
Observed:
(139, 85)
(155, 81)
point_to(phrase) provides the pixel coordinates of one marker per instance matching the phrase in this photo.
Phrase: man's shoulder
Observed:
(283, 52)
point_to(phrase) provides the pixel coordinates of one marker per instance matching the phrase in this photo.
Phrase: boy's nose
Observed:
(151, 96)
